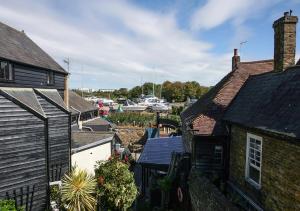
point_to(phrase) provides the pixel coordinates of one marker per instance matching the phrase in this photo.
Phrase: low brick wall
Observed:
(205, 195)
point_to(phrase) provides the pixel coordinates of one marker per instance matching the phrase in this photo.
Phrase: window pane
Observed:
(10, 72)
(254, 174)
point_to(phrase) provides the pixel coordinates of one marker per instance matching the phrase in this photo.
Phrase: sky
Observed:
(113, 44)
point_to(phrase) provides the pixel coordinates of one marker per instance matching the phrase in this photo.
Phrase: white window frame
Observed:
(247, 176)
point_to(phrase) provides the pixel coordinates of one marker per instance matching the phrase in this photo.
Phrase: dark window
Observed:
(218, 155)
(50, 78)
(6, 71)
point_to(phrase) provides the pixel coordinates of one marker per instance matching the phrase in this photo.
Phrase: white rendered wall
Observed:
(86, 159)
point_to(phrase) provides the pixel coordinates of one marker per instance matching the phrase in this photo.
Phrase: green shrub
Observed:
(116, 186)
(9, 205)
(129, 118)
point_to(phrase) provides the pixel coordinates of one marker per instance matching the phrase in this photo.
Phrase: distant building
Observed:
(80, 108)
(34, 120)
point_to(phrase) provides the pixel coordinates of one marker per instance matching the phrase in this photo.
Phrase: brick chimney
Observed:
(284, 41)
(235, 59)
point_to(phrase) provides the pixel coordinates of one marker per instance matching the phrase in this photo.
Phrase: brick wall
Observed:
(280, 176)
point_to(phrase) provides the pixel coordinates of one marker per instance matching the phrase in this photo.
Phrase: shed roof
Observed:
(53, 95)
(77, 102)
(205, 115)
(25, 96)
(269, 102)
(98, 124)
(158, 151)
(82, 140)
(18, 47)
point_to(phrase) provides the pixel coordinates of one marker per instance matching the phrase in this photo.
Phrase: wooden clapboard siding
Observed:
(22, 152)
(34, 77)
(58, 133)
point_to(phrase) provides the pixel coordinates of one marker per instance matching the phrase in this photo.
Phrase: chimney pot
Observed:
(235, 52)
(235, 59)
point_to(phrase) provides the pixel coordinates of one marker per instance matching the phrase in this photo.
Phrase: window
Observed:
(50, 78)
(6, 71)
(253, 160)
(218, 155)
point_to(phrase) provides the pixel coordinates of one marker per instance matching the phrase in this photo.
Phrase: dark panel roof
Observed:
(269, 102)
(98, 124)
(77, 102)
(205, 115)
(53, 95)
(16, 46)
(26, 96)
(158, 151)
(89, 139)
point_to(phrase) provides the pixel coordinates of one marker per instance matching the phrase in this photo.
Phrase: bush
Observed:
(79, 190)
(9, 205)
(143, 119)
(116, 186)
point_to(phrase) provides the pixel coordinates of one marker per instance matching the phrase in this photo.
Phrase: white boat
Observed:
(128, 105)
(161, 107)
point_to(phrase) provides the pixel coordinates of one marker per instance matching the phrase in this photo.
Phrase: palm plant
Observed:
(79, 191)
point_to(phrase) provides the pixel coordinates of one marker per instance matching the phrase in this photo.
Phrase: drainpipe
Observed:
(78, 121)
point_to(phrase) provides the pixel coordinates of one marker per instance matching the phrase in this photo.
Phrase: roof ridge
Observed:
(257, 61)
(12, 28)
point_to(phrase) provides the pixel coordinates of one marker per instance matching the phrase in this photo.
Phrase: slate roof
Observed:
(158, 151)
(205, 115)
(18, 47)
(26, 96)
(87, 139)
(269, 102)
(53, 95)
(98, 124)
(77, 102)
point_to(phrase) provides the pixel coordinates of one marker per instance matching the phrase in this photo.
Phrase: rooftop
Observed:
(205, 115)
(269, 102)
(18, 47)
(86, 139)
(158, 151)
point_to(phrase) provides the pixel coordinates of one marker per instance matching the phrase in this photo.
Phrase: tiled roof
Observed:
(18, 47)
(77, 102)
(205, 115)
(269, 102)
(158, 151)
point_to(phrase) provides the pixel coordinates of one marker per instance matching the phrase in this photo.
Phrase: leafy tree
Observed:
(135, 92)
(78, 191)
(116, 186)
(191, 89)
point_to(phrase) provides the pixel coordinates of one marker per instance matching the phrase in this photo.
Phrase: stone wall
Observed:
(205, 195)
(280, 176)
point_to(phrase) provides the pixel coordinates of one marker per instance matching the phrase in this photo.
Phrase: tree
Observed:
(135, 92)
(116, 186)
(79, 190)
(191, 89)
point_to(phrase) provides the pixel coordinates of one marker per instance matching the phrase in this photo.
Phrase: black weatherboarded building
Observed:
(34, 120)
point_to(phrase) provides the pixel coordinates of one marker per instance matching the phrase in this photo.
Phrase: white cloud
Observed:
(116, 43)
(217, 12)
